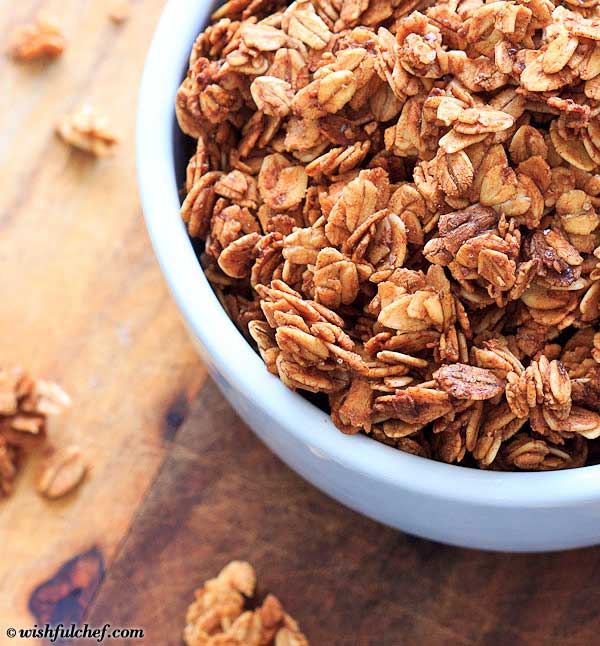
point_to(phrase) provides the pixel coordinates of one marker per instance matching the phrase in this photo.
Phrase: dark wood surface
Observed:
(179, 485)
(220, 495)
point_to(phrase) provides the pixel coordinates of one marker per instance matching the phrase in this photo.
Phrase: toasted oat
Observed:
(62, 473)
(399, 203)
(119, 11)
(25, 404)
(218, 615)
(87, 130)
(41, 39)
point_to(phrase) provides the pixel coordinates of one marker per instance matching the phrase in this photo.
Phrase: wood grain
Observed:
(83, 300)
(222, 495)
(179, 485)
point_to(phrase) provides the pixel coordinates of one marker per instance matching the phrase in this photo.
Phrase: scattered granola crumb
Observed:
(62, 472)
(119, 11)
(25, 404)
(399, 206)
(217, 616)
(41, 39)
(87, 130)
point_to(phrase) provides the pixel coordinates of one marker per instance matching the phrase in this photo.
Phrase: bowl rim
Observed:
(165, 63)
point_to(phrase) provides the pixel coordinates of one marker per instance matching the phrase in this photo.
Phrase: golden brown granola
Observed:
(218, 616)
(42, 38)
(89, 131)
(62, 472)
(25, 404)
(398, 202)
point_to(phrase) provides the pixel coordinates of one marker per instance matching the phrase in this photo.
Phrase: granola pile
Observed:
(217, 616)
(25, 404)
(398, 203)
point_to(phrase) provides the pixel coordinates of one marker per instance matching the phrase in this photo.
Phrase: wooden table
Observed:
(179, 486)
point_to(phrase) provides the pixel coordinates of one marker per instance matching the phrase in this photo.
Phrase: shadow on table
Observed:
(222, 495)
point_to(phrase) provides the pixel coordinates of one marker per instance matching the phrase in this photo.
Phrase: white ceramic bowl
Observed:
(452, 504)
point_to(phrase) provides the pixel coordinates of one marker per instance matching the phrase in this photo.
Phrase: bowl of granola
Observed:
(379, 223)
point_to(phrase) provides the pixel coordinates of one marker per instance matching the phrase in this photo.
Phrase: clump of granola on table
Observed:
(219, 615)
(398, 202)
(25, 405)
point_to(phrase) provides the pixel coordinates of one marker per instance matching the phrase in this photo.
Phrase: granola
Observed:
(41, 39)
(25, 404)
(398, 204)
(218, 616)
(119, 11)
(62, 473)
(89, 131)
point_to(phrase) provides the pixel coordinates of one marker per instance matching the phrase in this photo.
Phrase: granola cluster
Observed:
(40, 39)
(25, 404)
(89, 131)
(398, 203)
(217, 616)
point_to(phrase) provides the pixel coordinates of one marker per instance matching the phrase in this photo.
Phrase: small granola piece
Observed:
(576, 213)
(272, 95)
(198, 207)
(571, 148)
(353, 410)
(416, 405)
(41, 39)
(119, 11)
(468, 382)
(240, 576)
(558, 261)
(264, 337)
(474, 121)
(11, 390)
(290, 637)
(262, 37)
(302, 22)
(536, 79)
(282, 186)
(46, 398)
(525, 453)
(25, 404)
(239, 188)
(237, 258)
(87, 130)
(336, 279)
(325, 96)
(9, 462)
(62, 473)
